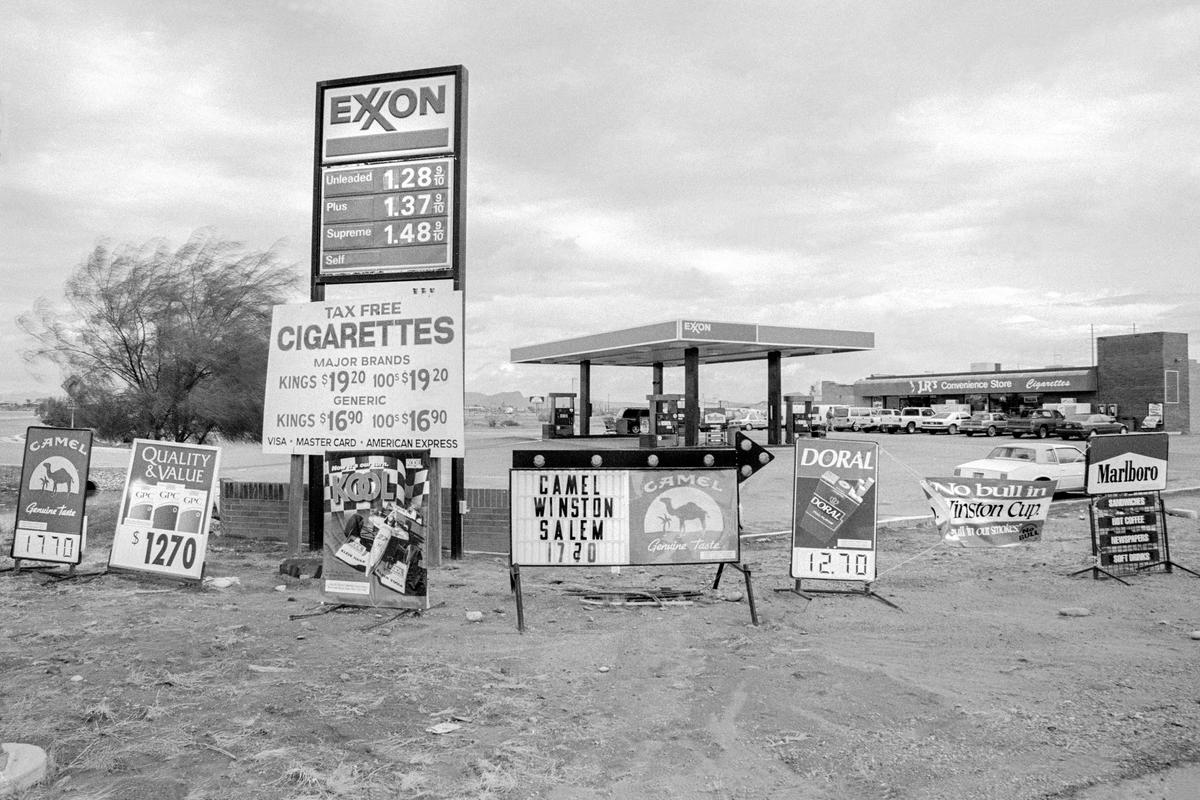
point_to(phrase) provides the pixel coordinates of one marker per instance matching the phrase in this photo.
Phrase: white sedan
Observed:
(944, 422)
(1030, 462)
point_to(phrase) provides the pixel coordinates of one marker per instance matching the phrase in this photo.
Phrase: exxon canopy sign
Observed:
(1133, 463)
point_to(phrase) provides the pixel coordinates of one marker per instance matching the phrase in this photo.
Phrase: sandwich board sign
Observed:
(166, 509)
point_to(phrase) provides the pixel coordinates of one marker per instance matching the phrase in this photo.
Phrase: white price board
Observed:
(378, 369)
(166, 509)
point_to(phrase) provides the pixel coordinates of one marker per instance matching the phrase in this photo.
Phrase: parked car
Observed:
(851, 418)
(989, 423)
(747, 418)
(883, 417)
(944, 422)
(1085, 426)
(633, 421)
(1039, 422)
(1030, 461)
(908, 421)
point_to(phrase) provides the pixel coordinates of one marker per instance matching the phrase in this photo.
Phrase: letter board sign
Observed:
(1135, 462)
(619, 517)
(1128, 534)
(626, 507)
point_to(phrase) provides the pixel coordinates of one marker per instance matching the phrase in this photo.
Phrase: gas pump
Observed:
(666, 421)
(797, 418)
(562, 416)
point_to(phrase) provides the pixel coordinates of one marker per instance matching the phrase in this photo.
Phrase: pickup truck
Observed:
(909, 420)
(1039, 422)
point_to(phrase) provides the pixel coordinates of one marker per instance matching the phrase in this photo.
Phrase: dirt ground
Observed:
(976, 687)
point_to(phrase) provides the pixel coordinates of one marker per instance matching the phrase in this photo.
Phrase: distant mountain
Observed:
(501, 400)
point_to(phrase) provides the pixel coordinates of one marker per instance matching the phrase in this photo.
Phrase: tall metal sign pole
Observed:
(389, 204)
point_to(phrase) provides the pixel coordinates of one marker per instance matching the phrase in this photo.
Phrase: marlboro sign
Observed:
(1132, 463)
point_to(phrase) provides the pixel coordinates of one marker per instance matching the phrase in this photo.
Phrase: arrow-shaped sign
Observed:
(751, 456)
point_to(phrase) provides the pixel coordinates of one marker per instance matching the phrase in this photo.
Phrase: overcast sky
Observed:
(970, 181)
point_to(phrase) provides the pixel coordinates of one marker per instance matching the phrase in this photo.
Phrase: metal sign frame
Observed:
(602, 480)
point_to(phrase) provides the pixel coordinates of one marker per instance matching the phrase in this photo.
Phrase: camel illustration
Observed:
(57, 477)
(685, 512)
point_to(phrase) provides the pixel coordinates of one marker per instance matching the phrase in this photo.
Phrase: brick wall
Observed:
(257, 510)
(260, 511)
(1132, 372)
(485, 526)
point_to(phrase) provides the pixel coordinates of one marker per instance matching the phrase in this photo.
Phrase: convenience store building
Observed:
(1135, 375)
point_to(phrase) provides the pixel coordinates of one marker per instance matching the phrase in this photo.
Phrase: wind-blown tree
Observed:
(178, 336)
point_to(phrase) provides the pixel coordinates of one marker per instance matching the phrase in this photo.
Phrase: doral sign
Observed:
(387, 118)
(1132, 463)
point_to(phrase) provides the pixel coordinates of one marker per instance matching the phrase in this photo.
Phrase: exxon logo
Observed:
(697, 327)
(381, 106)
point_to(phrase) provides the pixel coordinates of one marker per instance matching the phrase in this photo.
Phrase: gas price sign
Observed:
(834, 513)
(392, 217)
(381, 371)
(50, 523)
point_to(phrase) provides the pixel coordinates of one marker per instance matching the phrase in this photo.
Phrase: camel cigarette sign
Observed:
(834, 511)
(50, 499)
(616, 517)
(162, 525)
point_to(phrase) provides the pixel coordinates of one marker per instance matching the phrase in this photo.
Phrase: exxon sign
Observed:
(388, 119)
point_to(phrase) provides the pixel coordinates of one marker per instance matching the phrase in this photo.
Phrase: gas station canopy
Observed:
(666, 343)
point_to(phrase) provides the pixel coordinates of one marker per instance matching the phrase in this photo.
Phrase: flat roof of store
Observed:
(718, 342)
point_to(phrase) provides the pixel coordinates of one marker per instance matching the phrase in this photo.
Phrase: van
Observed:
(852, 418)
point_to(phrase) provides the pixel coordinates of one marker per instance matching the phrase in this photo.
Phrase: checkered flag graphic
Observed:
(418, 486)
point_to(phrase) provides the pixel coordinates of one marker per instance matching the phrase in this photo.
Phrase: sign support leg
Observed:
(514, 581)
(749, 586)
(717, 580)
(1096, 574)
(795, 590)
